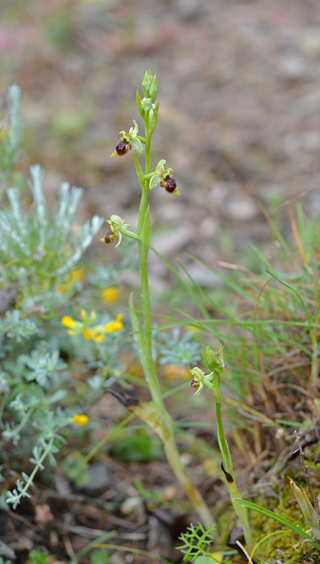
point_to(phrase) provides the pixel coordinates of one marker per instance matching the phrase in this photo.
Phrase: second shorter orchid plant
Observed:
(215, 364)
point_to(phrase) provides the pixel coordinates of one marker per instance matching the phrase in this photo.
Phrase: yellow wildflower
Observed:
(80, 419)
(83, 326)
(110, 295)
(95, 333)
(88, 333)
(67, 321)
(83, 314)
(73, 326)
(116, 325)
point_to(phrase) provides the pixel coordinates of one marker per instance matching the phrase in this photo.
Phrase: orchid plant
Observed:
(153, 413)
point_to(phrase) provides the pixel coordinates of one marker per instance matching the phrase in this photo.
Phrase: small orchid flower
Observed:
(127, 141)
(116, 224)
(200, 379)
(163, 177)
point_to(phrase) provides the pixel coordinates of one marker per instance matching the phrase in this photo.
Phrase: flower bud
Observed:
(214, 360)
(147, 82)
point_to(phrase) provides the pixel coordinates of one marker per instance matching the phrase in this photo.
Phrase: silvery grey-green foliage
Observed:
(42, 365)
(47, 423)
(38, 250)
(179, 350)
(10, 133)
(45, 246)
(14, 326)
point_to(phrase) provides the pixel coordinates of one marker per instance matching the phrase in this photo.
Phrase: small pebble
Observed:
(189, 9)
(99, 478)
(242, 209)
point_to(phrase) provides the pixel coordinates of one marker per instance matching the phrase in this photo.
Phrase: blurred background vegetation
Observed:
(239, 119)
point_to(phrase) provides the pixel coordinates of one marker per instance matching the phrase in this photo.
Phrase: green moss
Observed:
(289, 549)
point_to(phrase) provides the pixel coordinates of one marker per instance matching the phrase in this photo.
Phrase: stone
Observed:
(168, 243)
(99, 478)
(188, 9)
(242, 209)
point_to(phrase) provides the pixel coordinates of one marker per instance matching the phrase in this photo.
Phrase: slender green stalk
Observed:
(233, 488)
(222, 441)
(145, 294)
(215, 363)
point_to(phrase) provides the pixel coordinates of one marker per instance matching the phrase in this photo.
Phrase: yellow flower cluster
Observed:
(95, 332)
(116, 325)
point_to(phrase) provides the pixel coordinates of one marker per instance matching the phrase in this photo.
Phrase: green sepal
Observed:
(154, 119)
(139, 171)
(137, 145)
(138, 336)
(154, 181)
(145, 236)
(154, 89)
(139, 104)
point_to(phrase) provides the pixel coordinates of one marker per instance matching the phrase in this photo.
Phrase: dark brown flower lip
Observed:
(109, 237)
(123, 147)
(169, 184)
